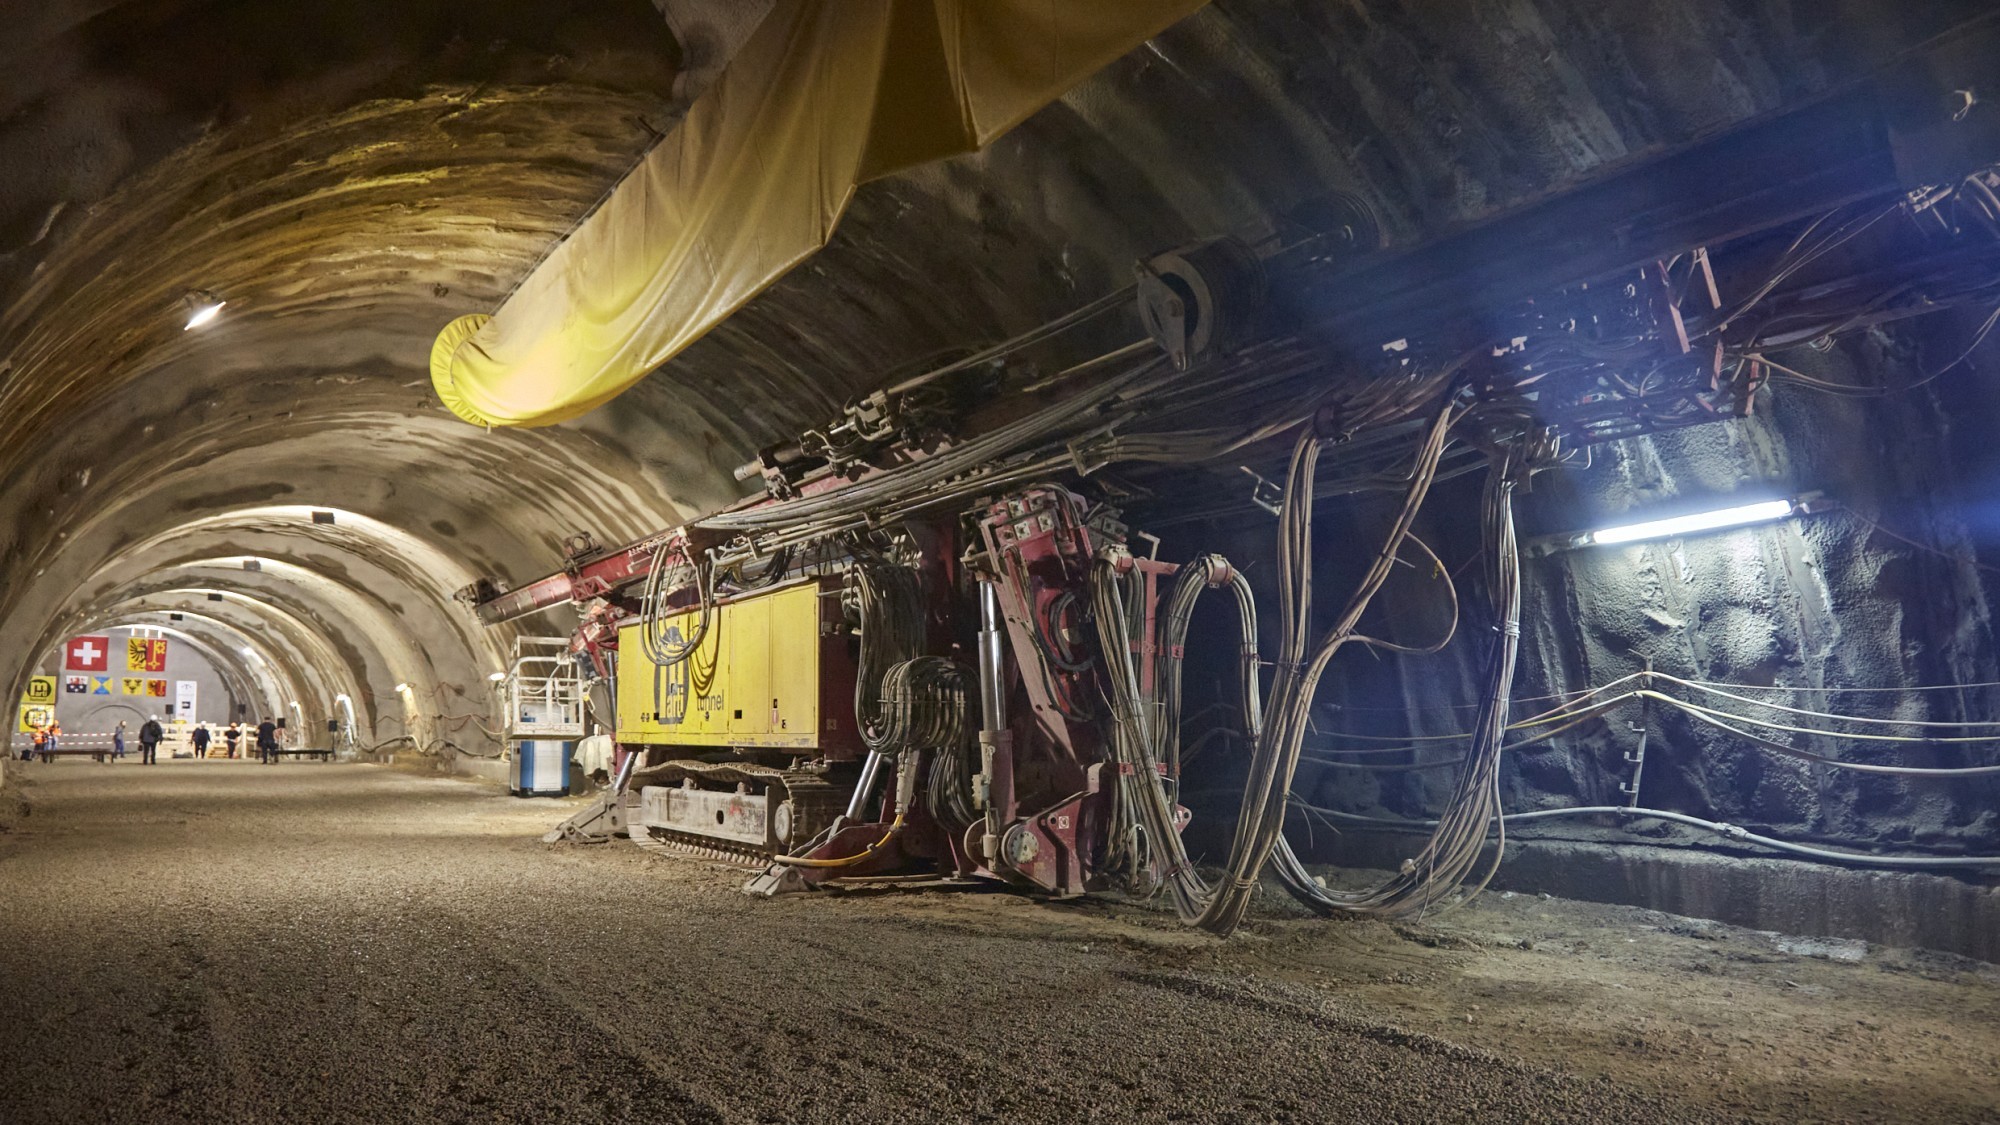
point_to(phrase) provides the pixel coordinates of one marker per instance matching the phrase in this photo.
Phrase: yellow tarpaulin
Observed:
(825, 95)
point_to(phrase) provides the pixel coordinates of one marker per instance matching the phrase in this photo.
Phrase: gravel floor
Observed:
(220, 941)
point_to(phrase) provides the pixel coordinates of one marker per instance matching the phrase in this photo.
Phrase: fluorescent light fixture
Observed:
(203, 307)
(1763, 511)
(403, 687)
(497, 677)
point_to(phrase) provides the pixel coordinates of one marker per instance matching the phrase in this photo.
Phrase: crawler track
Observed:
(814, 802)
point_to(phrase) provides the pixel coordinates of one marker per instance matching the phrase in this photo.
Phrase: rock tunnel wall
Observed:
(1888, 589)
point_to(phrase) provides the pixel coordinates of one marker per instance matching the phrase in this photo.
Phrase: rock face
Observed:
(1884, 591)
(350, 177)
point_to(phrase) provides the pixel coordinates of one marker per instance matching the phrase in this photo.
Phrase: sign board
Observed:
(142, 655)
(41, 689)
(36, 715)
(184, 696)
(87, 654)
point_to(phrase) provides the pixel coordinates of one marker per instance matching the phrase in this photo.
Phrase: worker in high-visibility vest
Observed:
(51, 737)
(41, 736)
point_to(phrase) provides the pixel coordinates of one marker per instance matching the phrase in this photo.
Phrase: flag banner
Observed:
(100, 685)
(76, 685)
(41, 689)
(87, 654)
(143, 655)
(134, 685)
(157, 688)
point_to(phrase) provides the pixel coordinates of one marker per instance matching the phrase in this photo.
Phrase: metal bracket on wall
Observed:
(1637, 758)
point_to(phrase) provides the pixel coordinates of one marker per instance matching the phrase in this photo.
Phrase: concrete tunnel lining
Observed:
(355, 591)
(254, 683)
(286, 659)
(355, 649)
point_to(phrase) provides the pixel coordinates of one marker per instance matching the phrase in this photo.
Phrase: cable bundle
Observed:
(890, 600)
(924, 708)
(672, 571)
(1146, 735)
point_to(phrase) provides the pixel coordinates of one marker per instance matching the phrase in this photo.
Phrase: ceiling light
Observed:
(1764, 511)
(203, 306)
(1740, 515)
(496, 677)
(403, 687)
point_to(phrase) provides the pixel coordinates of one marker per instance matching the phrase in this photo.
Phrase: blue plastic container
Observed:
(540, 768)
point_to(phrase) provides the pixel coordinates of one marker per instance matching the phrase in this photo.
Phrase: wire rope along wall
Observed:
(1720, 828)
(1591, 705)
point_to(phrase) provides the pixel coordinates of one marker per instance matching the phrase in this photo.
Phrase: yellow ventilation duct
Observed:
(825, 95)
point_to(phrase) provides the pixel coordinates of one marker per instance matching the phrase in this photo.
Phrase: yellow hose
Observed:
(895, 827)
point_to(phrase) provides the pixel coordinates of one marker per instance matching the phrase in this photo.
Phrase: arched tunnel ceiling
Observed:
(350, 177)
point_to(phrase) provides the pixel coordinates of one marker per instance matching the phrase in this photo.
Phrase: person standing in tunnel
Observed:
(233, 735)
(200, 739)
(149, 740)
(267, 742)
(118, 740)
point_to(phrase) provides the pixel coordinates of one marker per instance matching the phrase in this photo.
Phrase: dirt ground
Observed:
(220, 941)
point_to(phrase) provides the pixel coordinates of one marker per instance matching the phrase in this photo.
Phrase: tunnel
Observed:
(962, 560)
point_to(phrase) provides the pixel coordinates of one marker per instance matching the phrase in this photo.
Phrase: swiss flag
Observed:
(88, 654)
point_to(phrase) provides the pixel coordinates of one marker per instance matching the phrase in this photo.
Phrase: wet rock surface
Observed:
(226, 942)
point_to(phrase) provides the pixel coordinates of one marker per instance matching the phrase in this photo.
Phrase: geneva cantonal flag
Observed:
(142, 655)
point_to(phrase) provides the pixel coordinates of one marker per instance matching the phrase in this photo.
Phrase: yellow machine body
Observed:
(773, 670)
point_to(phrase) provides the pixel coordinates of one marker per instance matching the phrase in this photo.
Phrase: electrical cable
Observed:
(1733, 832)
(1275, 755)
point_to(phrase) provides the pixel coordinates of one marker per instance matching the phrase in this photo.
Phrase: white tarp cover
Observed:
(825, 95)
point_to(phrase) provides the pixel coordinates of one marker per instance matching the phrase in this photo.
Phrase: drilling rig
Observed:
(941, 640)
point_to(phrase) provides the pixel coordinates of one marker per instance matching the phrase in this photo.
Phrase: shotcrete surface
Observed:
(221, 941)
